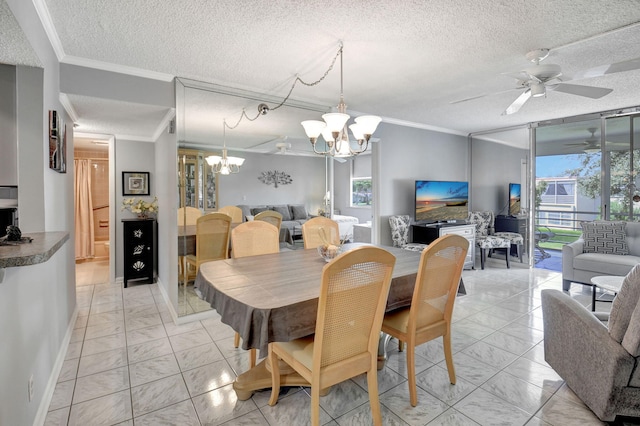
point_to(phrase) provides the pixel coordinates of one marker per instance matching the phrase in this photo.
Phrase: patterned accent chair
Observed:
(515, 239)
(400, 233)
(485, 239)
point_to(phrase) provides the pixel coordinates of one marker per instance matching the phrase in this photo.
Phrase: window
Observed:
(361, 192)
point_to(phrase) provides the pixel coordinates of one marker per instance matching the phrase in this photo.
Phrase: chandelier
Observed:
(334, 129)
(225, 164)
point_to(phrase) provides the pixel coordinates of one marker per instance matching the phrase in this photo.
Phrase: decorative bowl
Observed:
(328, 253)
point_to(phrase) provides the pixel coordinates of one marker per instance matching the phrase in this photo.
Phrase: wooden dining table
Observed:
(274, 297)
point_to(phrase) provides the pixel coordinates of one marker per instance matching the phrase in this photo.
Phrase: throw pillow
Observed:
(298, 211)
(283, 210)
(624, 305)
(256, 210)
(605, 237)
(250, 217)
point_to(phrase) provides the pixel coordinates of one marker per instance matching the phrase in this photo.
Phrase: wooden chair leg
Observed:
(315, 405)
(374, 400)
(275, 377)
(448, 356)
(252, 358)
(507, 257)
(400, 345)
(483, 256)
(411, 373)
(236, 340)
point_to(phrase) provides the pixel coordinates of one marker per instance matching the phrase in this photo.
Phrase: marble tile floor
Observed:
(129, 364)
(93, 272)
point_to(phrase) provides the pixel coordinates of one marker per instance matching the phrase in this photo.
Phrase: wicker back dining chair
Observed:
(212, 242)
(253, 238)
(320, 230)
(187, 216)
(353, 297)
(434, 294)
(270, 216)
(234, 212)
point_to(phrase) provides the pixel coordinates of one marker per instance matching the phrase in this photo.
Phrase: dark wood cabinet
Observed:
(140, 253)
(513, 224)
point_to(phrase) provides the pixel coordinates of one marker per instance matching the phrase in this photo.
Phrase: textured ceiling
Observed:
(14, 47)
(404, 60)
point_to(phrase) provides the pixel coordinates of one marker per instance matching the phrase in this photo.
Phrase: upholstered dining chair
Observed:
(212, 242)
(485, 240)
(233, 211)
(400, 233)
(434, 294)
(253, 238)
(318, 229)
(353, 296)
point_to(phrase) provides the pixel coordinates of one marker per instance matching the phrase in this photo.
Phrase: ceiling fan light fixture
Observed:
(538, 90)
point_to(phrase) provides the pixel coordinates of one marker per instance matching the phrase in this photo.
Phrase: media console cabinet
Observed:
(427, 233)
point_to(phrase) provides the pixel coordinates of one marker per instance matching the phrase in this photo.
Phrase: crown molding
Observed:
(120, 69)
(415, 125)
(49, 28)
(164, 123)
(68, 106)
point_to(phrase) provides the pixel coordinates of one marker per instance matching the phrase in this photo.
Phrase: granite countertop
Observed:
(43, 246)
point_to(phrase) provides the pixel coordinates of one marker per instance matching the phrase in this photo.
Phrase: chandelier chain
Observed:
(286, 98)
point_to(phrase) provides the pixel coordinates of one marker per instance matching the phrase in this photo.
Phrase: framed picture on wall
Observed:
(135, 183)
(57, 143)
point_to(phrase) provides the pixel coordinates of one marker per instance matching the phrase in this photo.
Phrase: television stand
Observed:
(427, 233)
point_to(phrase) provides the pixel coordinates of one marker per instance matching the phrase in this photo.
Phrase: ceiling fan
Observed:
(539, 78)
(592, 143)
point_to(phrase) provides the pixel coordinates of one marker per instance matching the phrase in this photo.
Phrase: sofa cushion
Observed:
(605, 264)
(298, 211)
(256, 210)
(283, 209)
(624, 304)
(604, 237)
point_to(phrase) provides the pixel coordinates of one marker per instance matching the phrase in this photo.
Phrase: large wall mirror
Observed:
(275, 142)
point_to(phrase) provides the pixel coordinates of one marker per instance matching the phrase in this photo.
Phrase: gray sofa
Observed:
(293, 215)
(580, 267)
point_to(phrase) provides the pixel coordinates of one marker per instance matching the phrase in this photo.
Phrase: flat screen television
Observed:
(441, 201)
(514, 199)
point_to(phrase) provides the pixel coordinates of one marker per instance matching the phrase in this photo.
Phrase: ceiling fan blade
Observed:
(517, 104)
(630, 65)
(586, 91)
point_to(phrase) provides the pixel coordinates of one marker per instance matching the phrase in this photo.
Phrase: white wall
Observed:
(36, 302)
(132, 156)
(493, 167)
(8, 138)
(405, 155)
(167, 192)
(307, 187)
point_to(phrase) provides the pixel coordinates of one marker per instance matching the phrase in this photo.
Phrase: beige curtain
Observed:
(83, 210)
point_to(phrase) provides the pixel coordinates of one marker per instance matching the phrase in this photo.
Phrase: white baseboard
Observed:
(43, 408)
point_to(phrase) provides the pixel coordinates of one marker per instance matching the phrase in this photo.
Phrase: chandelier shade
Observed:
(224, 165)
(334, 129)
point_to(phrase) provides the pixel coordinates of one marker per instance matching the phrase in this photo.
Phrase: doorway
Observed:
(92, 210)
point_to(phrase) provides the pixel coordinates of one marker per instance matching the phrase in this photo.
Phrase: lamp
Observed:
(225, 164)
(334, 129)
